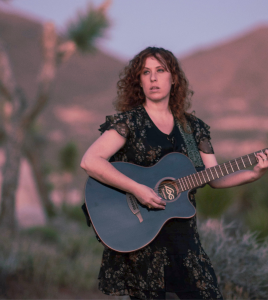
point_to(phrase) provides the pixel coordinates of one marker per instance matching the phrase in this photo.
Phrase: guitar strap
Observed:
(191, 147)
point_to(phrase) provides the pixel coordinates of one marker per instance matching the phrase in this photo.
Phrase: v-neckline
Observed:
(156, 126)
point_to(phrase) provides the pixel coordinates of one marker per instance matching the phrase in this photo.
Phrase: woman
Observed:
(153, 96)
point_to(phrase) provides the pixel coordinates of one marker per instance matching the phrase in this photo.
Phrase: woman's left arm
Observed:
(239, 177)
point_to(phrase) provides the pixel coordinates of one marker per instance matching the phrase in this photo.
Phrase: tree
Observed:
(68, 158)
(19, 114)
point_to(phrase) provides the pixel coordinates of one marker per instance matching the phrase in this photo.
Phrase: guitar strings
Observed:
(223, 170)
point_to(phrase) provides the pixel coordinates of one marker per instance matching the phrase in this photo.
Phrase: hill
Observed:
(231, 91)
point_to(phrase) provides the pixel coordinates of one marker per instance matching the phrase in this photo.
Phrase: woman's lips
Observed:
(154, 88)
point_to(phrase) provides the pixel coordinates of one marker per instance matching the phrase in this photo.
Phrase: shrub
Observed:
(240, 261)
(67, 256)
(74, 212)
(43, 233)
(68, 156)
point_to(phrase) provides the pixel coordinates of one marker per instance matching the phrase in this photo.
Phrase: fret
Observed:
(179, 185)
(186, 183)
(211, 173)
(192, 180)
(237, 165)
(226, 168)
(216, 172)
(256, 157)
(182, 183)
(194, 177)
(207, 174)
(189, 182)
(190, 177)
(249, 160)
(221, 170)
(199, 178)
(203, 176)
(231, 166)
(243, 162)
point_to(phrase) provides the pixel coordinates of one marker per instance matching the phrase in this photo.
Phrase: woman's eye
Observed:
(145, 72)
(161, 70)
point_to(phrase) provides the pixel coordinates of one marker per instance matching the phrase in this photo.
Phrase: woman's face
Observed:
(155, 80)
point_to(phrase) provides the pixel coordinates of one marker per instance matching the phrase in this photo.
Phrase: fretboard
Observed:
(200, 178)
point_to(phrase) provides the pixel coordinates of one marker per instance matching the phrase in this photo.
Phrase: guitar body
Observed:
(114, 222)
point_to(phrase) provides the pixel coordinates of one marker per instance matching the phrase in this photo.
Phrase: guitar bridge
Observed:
(133, 205)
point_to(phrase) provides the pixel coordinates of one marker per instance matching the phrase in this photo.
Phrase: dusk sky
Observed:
(182, 26)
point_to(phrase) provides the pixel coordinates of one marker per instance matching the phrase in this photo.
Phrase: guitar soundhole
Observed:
(168, 190)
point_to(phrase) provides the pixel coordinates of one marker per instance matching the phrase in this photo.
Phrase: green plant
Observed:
(68, 157)
(43, 233)
(257, 220)
(74, 212)
(89, 25)
(212, 203)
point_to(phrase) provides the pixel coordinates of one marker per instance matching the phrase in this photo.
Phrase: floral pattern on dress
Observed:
(121, 273)
(201, 274)
(143, 273)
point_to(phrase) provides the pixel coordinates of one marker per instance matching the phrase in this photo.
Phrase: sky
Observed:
(182, 26)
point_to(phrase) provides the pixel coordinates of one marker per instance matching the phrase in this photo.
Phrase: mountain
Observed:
(231, 91)
(229, 80)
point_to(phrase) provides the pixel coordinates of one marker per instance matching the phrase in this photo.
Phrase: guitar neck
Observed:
(200, 178)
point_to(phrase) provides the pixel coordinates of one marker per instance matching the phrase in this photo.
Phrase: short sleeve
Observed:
(202, 136)
(119, 122)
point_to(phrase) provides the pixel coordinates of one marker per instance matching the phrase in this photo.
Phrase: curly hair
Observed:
(130, 93)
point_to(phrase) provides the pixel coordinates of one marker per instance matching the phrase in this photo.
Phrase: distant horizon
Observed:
(180, 56)
(182, 27)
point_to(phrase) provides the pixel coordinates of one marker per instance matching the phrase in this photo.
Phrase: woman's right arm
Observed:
(95, 163)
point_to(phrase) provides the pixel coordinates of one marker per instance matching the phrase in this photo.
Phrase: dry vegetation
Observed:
(62, 260)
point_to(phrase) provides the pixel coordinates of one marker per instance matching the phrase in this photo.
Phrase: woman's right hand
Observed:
(148, 197)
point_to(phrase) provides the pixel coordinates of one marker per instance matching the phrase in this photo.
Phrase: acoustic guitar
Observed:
(124, 224)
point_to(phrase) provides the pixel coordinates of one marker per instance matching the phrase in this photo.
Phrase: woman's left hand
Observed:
(262, 165)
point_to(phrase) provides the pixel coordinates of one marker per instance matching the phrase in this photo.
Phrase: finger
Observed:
(153, 205)
(262, 160)
(261, 157)
(158, 199)
(157, 203)
(158, 206)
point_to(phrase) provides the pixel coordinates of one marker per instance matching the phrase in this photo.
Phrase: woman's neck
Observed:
(157, 108)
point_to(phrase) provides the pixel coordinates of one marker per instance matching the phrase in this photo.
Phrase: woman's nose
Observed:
(153, 76)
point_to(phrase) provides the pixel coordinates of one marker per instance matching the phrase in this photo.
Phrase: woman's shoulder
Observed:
(125, 119)
(129, 114)
(197, 123)
(130, 117)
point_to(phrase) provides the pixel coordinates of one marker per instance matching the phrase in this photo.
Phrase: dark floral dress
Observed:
(175, 261)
